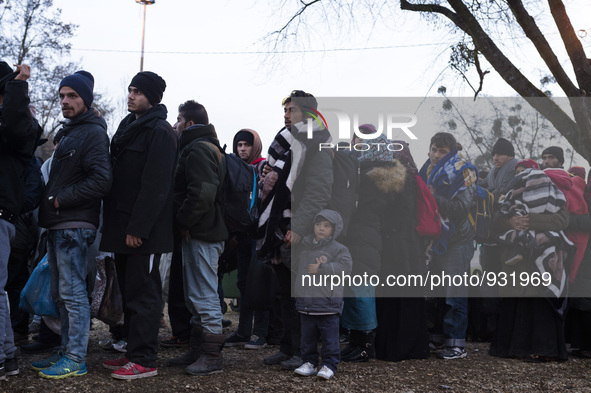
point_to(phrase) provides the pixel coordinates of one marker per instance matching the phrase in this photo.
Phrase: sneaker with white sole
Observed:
(256, 342)
(134, 371)
(11, 366)
(325, 373)
(452, 353)
(307, 370)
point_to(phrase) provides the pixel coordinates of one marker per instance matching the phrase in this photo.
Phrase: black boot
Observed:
(195, 343)
(211, 360)
(365, 349)
(352, 345)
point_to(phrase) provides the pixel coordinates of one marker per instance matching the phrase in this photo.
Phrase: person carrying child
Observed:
(320, 305)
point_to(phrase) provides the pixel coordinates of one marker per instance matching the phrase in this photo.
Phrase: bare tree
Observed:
(32, 32)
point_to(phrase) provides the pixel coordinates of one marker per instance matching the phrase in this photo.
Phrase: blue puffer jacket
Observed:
(322, 299)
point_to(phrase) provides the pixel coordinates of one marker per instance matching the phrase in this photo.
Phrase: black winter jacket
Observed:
(18, 131)
(143, 153)
(198, 178)
(80, 173)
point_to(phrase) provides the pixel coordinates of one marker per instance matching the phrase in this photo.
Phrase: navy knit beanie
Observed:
(150, 84)
(83, 83)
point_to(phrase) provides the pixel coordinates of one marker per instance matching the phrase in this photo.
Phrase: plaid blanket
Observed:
(532, 191)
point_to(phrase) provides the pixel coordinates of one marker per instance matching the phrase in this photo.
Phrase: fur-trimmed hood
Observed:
(388, 179)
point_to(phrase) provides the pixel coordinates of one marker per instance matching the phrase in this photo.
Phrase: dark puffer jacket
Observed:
(198, 178)
(80, 173)
(322, 299)
(18, 132)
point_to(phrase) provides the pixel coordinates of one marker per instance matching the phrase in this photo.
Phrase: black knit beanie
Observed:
(83, 83)
(151, 84)
(503, 147)
(244, 136)
(556, 151)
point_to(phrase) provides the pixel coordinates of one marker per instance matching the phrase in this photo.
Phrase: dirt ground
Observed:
(244, 372)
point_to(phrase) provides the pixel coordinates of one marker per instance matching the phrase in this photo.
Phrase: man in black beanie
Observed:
(138, 219)
(18, 132)
(504, 161)
(553, 157)
(79, 178)
(498, 180)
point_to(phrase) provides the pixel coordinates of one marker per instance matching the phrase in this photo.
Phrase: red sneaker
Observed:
(115, 364)
(134, 371)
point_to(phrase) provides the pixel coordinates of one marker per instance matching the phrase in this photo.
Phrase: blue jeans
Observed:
(200, 278)
(327, 327)
(7, 348)
(66, 254)
(456, 261)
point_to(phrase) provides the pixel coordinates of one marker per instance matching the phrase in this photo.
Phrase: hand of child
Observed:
(313, 267)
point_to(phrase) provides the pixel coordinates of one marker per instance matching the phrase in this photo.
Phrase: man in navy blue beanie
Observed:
(80, 176)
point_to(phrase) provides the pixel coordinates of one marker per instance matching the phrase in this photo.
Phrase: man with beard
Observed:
(80, 176)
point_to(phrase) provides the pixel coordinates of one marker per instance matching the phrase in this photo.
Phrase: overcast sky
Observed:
(211, 51)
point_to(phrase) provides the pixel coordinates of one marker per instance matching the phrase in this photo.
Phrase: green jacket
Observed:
(198, 179)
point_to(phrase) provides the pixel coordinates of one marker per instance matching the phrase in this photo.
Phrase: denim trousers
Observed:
(7, 348)
(200, 279)
(245, 254)
(327, 327)
(456, 261)
(66, 254)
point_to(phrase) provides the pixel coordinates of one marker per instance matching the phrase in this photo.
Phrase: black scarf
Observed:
(130, 127)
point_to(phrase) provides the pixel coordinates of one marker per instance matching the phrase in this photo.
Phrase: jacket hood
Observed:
(257, 145)
(334, 218)
(388, 179)
(198, 131)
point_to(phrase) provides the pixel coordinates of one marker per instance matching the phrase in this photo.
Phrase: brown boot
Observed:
(211, 360)
(195, 343)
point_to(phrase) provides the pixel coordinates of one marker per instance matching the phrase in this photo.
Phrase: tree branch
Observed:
(296, 15)
(533, 32)
(432, 8)
(573, 46)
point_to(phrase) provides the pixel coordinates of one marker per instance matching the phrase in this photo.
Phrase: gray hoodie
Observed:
(322, 299)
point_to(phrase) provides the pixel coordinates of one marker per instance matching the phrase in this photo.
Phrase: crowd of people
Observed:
(155, 190)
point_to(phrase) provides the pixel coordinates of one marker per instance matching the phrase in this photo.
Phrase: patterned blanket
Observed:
(533, 192)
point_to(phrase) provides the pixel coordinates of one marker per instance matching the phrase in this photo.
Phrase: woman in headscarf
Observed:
(382, 240)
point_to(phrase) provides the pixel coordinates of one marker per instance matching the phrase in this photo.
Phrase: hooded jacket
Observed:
(80, 173)
(198, 179)
(143, 153)
(322, 300)
(18, 130)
